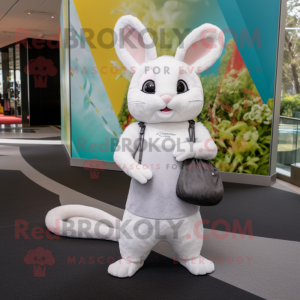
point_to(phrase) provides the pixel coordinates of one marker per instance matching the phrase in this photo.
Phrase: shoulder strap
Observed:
(192, 131)
(141, 142)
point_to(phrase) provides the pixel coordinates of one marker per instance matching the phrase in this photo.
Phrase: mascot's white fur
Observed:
(164, 93)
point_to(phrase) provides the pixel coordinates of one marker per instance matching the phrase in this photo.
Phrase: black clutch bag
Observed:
(199, 182)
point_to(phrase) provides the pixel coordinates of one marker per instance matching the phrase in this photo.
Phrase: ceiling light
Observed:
(29, 12)
(52, 17)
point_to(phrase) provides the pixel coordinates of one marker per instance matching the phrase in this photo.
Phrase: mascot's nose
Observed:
(166, 98)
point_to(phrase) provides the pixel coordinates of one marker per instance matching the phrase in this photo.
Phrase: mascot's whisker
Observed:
(134, 102)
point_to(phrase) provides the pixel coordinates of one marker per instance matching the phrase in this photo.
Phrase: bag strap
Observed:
(141, 142)
(193, 139)
(142, 135)
(192, 131)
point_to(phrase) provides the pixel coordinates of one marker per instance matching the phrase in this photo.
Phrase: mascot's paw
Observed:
(141, 174)
(198, 266)
(184, 151)
(123, 268)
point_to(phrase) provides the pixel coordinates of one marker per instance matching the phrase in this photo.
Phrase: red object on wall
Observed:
(236, 61)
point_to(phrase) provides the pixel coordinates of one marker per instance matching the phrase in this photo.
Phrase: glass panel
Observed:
(5, 81)
(1, 78)
(18, 80)
(297, 163)
(289, 137)
(288, 145)
(290, 100)
(11, 73)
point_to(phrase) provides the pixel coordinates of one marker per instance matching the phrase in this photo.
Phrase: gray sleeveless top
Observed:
(157, 198)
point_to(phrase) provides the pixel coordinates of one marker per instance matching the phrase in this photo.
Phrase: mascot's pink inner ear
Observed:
(198, 50)
(134, 44)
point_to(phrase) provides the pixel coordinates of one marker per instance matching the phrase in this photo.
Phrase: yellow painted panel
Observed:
(97, 15)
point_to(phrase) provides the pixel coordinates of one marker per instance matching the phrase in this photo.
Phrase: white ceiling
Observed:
(14, 17)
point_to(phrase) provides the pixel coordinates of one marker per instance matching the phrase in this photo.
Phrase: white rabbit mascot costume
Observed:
(164, 93)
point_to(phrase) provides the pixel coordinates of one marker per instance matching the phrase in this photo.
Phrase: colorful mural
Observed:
(238, 88)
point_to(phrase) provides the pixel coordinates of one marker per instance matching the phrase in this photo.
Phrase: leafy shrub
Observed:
(289, 104)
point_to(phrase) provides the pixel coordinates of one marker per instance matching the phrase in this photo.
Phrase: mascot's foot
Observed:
(198, 266)
(123, 268)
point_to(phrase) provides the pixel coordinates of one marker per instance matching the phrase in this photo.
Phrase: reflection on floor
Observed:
(13, 125)
(283, 169)
(17, 129)
(26, 132)
(35, 178)
(287, 186)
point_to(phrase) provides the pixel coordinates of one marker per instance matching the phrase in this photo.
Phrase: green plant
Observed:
(238, 120)
(289, 104)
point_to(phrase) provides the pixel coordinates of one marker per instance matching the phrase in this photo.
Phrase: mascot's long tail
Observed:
(82, 222)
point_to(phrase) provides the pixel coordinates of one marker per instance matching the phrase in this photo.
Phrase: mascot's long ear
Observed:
(133, 43)
(202, 47)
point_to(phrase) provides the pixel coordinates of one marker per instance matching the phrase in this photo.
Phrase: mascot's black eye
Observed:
(182, 87)
(149, 87)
